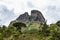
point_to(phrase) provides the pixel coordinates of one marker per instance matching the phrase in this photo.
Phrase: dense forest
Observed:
(30, 31)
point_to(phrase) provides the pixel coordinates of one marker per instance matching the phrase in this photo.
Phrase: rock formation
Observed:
(35, 16)
(23, 17)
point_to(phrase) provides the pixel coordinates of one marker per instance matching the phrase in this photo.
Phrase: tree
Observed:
(3, 27)
(18, 25)
(45, 29)
(58, 23)
(54, 32)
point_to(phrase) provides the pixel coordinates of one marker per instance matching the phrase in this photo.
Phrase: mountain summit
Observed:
(35, 16)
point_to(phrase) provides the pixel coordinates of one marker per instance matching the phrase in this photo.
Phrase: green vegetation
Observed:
(30, 31)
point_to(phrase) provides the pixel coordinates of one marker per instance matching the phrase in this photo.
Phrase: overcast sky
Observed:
(11, 9)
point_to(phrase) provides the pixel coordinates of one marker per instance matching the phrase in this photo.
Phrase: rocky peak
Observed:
(35, 13)
(35, 16)
(23, 17)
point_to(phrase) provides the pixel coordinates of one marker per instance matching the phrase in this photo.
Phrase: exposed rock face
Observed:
(23, 17)
(35, 16)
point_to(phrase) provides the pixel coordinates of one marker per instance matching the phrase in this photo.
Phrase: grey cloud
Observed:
(29, 4)
(6, 15)
(53, 13)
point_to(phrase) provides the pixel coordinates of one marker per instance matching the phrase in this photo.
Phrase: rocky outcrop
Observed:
(35, 16)
(23, 17)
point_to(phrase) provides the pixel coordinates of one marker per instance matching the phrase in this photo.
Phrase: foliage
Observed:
(34, 31)
(58, 23)
(18, 25)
